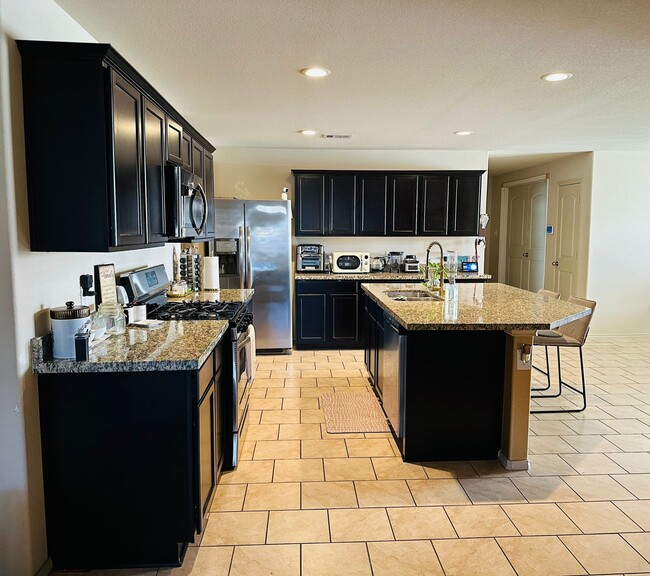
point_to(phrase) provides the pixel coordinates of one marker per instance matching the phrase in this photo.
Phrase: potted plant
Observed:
(434, 274)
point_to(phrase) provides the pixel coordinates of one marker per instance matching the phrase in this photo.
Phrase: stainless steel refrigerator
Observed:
(253, 242)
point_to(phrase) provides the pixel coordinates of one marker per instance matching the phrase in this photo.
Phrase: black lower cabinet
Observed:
(328, 314)
(124, 464)
(438, 409)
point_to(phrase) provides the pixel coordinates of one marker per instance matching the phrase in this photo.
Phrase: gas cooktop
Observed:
(196, 311)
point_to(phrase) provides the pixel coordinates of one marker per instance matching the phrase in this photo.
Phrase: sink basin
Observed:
(412, 295)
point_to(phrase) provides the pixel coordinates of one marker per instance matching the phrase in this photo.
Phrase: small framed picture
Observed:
(105, 285)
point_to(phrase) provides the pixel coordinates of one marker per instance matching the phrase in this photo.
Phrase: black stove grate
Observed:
(196, 311)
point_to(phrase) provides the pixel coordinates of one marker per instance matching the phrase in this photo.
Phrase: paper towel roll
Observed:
(211, 273)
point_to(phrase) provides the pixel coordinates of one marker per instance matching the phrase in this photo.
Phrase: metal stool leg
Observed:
(547, 374)
(582, 392)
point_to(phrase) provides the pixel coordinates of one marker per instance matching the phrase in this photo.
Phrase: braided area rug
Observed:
(353, 412)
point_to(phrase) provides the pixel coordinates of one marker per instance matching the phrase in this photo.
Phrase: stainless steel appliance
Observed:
(411, 263)
(377, 264)
(309, 257)
(393, 373)
(394, 262)
(187, 203)
(261, 230)
(351, 262)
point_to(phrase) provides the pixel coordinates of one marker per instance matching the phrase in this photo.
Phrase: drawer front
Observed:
(326, 286)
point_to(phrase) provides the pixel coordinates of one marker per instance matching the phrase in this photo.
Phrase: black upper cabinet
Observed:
(155, 124)
(372, 198)
(129, 221)
(85, 102)
(465, 204)
(402, 205)
(341, 205)
(186, 151)
(197, 159)
(368, 203)
(433, 204)
(310, 205)
(174, 142)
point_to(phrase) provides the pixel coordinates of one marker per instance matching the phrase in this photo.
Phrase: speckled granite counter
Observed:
(174, 345)
(477, 307)
(379, 276)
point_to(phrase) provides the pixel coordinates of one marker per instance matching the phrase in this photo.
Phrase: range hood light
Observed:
(464, 133)
(308, 132)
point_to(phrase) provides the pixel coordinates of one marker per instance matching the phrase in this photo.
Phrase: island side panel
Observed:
(516, 403)
(453, 395)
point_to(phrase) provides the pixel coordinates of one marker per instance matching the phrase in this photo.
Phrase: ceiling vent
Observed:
(336, 136)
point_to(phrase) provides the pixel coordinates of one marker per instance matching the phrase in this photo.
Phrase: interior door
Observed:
(568, 234)
(517, 262)
(526, 245)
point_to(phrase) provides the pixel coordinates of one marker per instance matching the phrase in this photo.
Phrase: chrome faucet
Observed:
(441, 288)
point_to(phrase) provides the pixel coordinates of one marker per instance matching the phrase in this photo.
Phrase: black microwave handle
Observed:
(199, 229)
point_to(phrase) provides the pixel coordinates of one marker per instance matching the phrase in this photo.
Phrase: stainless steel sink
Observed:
(412, 295)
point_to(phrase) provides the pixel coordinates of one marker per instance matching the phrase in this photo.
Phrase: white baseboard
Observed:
(513, 464)
(46, 569)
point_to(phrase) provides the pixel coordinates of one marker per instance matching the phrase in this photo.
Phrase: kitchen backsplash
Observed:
(379, 246)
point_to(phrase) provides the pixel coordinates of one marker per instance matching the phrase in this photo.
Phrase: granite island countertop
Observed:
(379, 276)
(173, 345)
(477, 307)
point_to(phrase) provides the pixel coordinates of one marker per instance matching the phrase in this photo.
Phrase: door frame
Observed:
(503, 218)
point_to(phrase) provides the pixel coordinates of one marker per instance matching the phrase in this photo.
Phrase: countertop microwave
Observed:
(350, 262)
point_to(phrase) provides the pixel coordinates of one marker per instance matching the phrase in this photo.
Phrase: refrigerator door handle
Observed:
(249, 271)
(241, 260)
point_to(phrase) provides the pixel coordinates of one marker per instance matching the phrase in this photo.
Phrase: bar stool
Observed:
(572, 335)
(553, 296)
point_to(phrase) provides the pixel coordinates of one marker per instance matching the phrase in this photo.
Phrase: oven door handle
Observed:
(243, 343)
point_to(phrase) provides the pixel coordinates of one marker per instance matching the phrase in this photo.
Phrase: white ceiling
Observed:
(406, 74)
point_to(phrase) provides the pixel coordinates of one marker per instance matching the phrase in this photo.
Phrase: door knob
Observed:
(555, 263)
(525, 254)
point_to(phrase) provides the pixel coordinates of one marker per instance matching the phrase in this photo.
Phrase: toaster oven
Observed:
(351, 262)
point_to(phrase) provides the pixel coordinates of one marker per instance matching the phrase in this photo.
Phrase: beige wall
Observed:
(260, 174)
(619, 273)
(578, 167)
(30, 284)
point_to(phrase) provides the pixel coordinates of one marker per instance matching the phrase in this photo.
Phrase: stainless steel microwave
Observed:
(351, 262)
(187, 203)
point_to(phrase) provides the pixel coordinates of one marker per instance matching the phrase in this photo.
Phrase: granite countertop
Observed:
(406, 276)
(477, 307)
(173, 345)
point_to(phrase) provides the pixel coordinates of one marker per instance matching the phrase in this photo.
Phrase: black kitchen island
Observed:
(453, 375)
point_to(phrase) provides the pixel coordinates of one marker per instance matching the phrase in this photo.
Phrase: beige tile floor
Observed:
(305, 502)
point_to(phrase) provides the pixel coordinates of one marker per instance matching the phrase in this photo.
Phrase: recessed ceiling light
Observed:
(315, 72)
(464, 133)
(557, 76)
(308, 132)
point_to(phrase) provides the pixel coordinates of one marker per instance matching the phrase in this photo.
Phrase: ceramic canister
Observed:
(66, 322)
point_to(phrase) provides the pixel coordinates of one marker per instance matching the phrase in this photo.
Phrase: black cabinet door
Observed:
(186, 151)
(197, 160)
(174, 142)
(341, 204)
(433, 204)
(465, 205)
(310, 319)
(154, 175)
(372, 198)
(207, 454)
(208, 181)
(310, 205)
(128, 198)
(343, 318)
(402, 205)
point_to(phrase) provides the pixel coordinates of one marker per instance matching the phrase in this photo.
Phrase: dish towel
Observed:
(251, 356)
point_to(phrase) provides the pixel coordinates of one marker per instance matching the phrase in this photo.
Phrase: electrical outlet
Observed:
(521, 365)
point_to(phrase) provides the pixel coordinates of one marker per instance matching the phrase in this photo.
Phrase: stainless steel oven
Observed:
(242, 354)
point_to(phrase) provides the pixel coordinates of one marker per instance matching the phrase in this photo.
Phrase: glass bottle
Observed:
(114, 316)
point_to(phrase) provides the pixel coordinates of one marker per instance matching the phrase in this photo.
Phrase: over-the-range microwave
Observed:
(350, 262)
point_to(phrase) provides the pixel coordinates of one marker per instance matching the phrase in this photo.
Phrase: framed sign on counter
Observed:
(105, 283)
